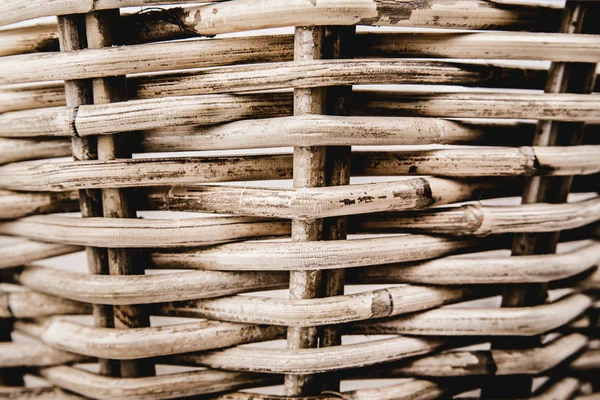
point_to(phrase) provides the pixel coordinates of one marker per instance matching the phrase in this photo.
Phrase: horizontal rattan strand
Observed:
(150, 25)
(270, 256)
(242, 15)
(404, 391)
(42, 393)
(464, 45)
(479, 45)
(293, 131)
(408, 194)
(476, 219)
(299, 132)
(558, 388)
(533, 361)
(137, 290)
(12, 150)
(152, 57)
(317, 312)
(144, 289)
(143, 114)
(536, 360)
(160, 233)
(28, 96)
(309, 361)
(34, 305)
(22, 10)
(412, 389)
(445, 321)
(136, 343)
(407, 390)
(34, 355)
(158, 57)
(50, 175)
(455, 363)
(284, 256)
(300, 74)
(28, 304)
(557, 107)
(135, 233)
(14, 204)
(344, 309)
(588, 361)
(152, 388)
(313, 203)
(214, 109)
(26, 251)
(483, 269)
(312, 130)
(69, 175)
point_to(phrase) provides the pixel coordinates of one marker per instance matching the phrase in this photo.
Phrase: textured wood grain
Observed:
(408, 390)
(323, 311)
(282, 75)
(495, 362)
(136, 343)
(121, 60)
(15, 11)
(243, 15)
(32, 149)
(28, 304)
(557, 107)
(26, 251)
(205, 53)
(476, 219)
(482, 269)
(481, 45)
(308, 361)
(285, 256)
(215, 109)
(19, 204)
(519, 321)
(151, 388)
(314, 203)
(34, 355)
(51, 175)
(143, 289)
(135, 233)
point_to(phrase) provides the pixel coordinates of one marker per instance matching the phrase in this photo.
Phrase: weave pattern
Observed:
(385, 199)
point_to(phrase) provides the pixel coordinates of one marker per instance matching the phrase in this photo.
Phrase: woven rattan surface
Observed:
(375, 199)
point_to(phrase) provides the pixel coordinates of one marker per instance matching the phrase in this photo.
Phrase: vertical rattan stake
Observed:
(309, 171)
(100, 33)
(71, 31)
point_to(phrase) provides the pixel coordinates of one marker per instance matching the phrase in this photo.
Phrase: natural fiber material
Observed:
(312, 210)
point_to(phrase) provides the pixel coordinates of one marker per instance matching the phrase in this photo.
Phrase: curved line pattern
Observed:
(322, 311)
(142, 342)
(145, 289)
(457, 270)
(289, 256)
(136, 233)
(522, 321)
(235, 16)
(476, 219)
(315, 203)
(50, 175)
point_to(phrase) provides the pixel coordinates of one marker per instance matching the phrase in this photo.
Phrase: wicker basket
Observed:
(432, 273)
